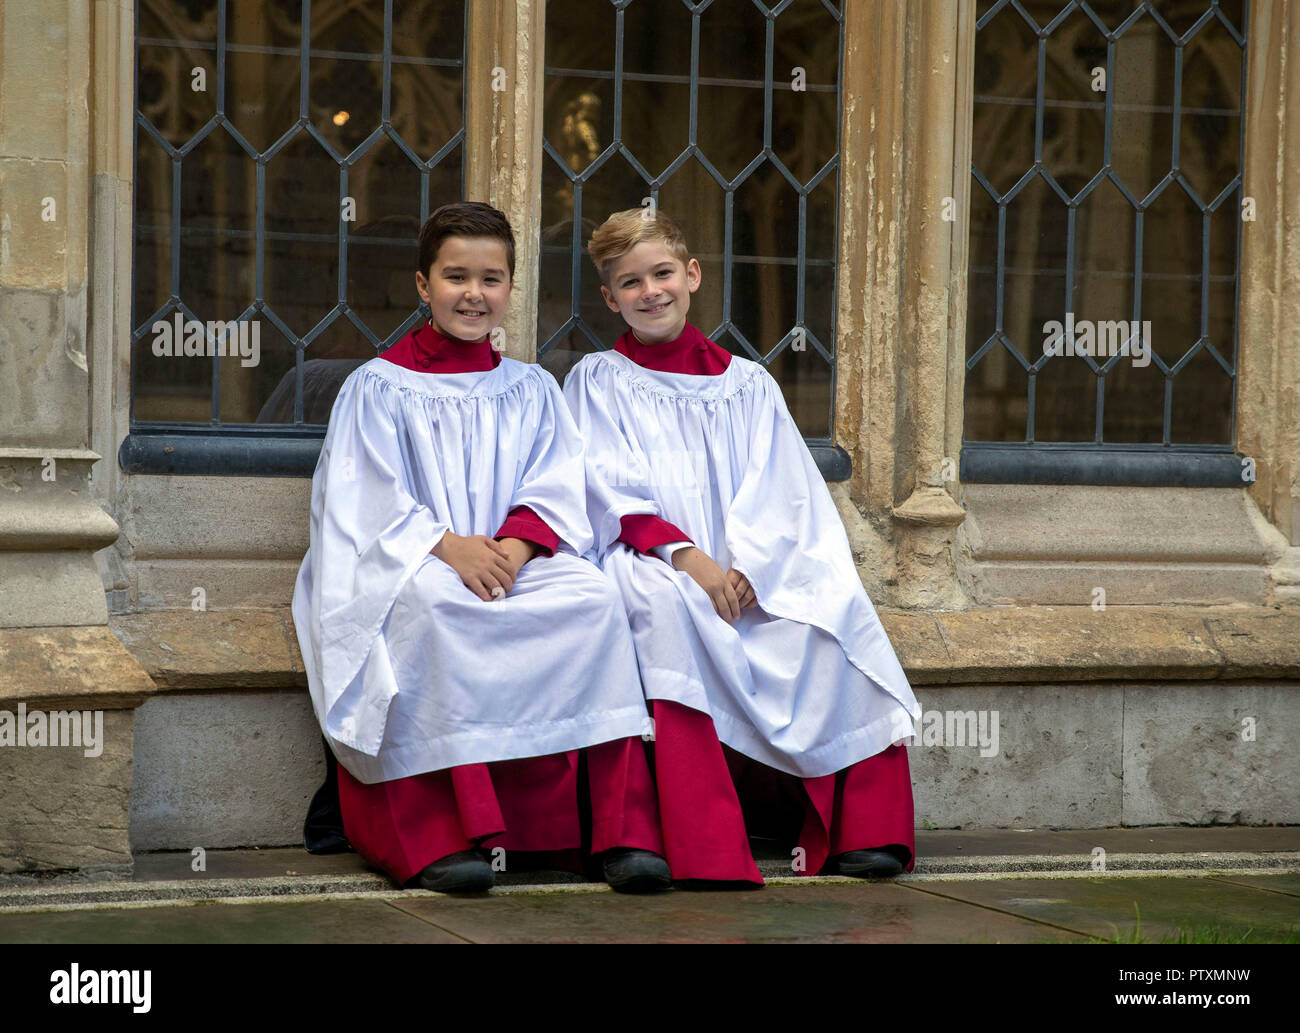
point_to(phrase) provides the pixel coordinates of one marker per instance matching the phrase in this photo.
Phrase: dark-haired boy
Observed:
(458, 650)
(751, 626)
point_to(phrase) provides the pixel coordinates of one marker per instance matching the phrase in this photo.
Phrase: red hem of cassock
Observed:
(529, 804)
(865, 806)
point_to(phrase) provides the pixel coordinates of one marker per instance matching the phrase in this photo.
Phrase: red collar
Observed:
(690, 352)
(425, 350)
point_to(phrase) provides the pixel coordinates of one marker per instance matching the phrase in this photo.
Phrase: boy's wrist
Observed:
(529, 549)
(683, 554)
(666, 551)
(441, 544)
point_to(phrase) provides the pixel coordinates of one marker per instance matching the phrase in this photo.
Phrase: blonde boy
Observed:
(751, 625)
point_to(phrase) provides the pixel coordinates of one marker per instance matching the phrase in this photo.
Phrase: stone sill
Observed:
(69, 668)
(258, 648)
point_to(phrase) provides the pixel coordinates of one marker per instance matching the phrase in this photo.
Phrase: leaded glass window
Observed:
(286, 153)
(1106, 210)
(727, 115)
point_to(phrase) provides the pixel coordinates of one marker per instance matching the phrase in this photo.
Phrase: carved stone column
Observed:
(903, 227)
(61, 806)
(1268, 389)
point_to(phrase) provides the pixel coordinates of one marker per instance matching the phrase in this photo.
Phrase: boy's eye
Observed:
(663, 273)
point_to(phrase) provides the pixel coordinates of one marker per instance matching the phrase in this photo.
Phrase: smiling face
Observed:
(651, 290)
(467, 287)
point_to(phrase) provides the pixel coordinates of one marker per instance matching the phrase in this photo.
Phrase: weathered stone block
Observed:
(226, 584)
(1211, 754)
(217, 517)
(224, 770)
(62, 809)
(34, 228)
(234, 649)
(1057, 763)
(37, 376)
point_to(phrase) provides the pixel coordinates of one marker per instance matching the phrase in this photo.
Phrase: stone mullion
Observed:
(503, 139)
(963, 116)
(894, 396)
(1268, 395)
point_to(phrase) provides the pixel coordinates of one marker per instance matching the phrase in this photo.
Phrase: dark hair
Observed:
(465, 219)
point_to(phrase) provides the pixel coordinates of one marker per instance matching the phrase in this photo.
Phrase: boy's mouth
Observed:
(656, 309)
(471, 313)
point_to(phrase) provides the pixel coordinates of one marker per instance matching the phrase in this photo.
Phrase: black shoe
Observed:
(868, 864)
(629, 870)
(465, 872)
(322, 832)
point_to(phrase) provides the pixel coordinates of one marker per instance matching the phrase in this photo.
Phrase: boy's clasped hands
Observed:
(728, 590)
(487, 567)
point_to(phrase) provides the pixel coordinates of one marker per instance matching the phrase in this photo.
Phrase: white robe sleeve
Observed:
(617, 467)
(550, 481)
(368, 535)
(786, 536)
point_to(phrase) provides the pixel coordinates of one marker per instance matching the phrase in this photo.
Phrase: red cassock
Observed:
(865, 806)
(529, 804)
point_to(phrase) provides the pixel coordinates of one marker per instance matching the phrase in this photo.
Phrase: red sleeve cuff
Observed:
(643, 532)
(524, 523)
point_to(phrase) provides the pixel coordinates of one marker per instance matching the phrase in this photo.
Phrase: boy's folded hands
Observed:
(487, 567)
(729, 590)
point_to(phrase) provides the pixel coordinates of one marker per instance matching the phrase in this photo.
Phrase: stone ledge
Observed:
(83, 667)
(214, 649)
(258, 649)
(1120, 643)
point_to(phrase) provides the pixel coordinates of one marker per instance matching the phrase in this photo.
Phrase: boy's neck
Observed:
(668, 339)
(457, 340)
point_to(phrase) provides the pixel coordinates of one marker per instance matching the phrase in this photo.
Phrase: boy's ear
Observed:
(422, 285)
(609, 298)
(693, 276)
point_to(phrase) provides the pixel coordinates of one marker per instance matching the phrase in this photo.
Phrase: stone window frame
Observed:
(909, 88)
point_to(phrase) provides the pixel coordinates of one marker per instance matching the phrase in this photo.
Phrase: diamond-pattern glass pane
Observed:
(1105, 222)
(287, 152)
(727, 115)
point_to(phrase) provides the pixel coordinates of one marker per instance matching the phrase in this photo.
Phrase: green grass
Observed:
(1202, 934)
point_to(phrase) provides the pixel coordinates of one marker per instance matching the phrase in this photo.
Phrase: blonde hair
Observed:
(623, 231)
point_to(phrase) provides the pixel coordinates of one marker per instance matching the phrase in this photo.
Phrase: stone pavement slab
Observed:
(320, 921)
(1274, 883)
(1110, 906)
(826, 913)
(1152, 839)
(939, 909)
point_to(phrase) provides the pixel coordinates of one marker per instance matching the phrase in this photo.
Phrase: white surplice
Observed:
(408, 670)
(807, 681)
